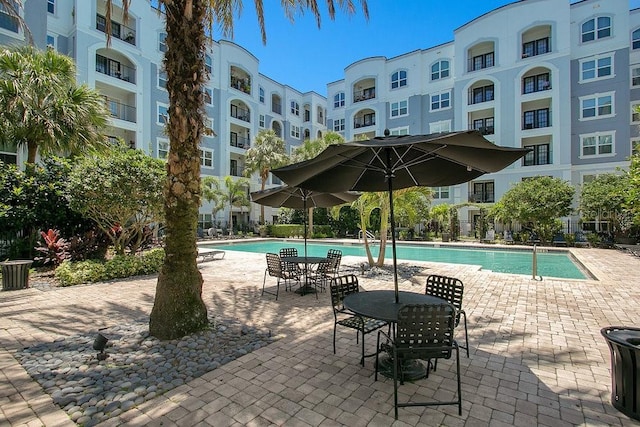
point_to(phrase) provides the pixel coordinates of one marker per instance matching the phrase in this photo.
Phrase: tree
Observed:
(538, 202)
(632, 194)
(178, 307)
(230, 192)
(42, 107)
(210, 193)
(266, 153)
(121, 192)
(604, 198)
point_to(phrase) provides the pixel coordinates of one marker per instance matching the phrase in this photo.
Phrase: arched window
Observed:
(635, 39)
(338, 100)
(440, 70)
(596, 28)
(398, 79)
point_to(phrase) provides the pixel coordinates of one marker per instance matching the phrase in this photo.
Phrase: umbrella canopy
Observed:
(395, 162)
(299, 198)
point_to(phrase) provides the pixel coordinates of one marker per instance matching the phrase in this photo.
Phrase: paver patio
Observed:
(537, 356)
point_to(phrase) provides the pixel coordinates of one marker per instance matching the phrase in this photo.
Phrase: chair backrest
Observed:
(449, 289)
(286, 252)
(274, 265)
(336, 256)
(425, 331)
(340, 287)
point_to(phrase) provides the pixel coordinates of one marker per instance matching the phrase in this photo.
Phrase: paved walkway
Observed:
(537, 356)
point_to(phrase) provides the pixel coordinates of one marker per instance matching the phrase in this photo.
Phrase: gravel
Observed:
(138, 366)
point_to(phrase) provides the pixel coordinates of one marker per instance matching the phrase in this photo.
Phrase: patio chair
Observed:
(292, 268)
(451, 290)
(580, 240)
(323, 273)
(423, 332)
(508, 237)
(558, 239)
(340, 287)
(275, 269)
(336, 255)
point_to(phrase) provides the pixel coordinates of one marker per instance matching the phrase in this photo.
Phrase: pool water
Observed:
(549, 264)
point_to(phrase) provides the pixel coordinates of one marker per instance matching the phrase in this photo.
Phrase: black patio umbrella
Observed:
(395, 162)
(298, 198)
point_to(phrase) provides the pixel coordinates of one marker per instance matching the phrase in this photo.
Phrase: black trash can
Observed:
(15, 274)
(624, 343)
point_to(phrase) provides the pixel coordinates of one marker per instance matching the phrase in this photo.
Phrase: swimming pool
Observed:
(550, 264)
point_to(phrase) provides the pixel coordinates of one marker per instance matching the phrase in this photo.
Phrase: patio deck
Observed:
(537, 356)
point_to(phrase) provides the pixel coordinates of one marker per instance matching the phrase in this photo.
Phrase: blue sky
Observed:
(307, 59)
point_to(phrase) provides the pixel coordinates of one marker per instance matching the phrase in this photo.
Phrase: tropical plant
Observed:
(266, 153)
(210, 193)
(43, 108)
(632, 194)
(231, 192)
(603, 198)
(52, 247)
(536, 202)
(440, 213)
(121, 192)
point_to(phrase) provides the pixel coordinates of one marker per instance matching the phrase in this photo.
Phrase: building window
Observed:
(441, 126)
(206, 158)
(51, 41)
(163, 114)
(536, 47)
(261, 120)
(536, 83)
(261, 95)
(399, 108)
(7, 20)
(399, 131)
(596, 68)
(635, 76)
(635, 113)
(481, 61)
(295, 108)
(440, 70)
(162, 80)
(596, 29)
(596, 144)
(295, 131)
(51, 6)
(163, 148)
(338, 100)
(398, 79)
(208, 127)
(538, 156)
(635, 146)
(597, 106)
(162, 42)
(208, 63)
(483, 192)
(440, 192)
(485, 126)
(535, 119)
(635, 39)
(338, 125)
(208, 95)
(481, 94)
(320, 113)
(441, 100)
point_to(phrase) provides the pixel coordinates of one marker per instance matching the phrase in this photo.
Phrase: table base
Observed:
(412, 369)
(306, 289)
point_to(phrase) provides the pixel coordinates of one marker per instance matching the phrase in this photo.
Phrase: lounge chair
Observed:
(558, 240)
(580, 240)
(490, 237)
(205, 254)
(508, 237)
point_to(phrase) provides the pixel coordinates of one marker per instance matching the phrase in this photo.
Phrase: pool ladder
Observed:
(370, 237)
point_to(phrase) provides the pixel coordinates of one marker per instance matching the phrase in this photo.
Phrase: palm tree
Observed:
(42, 107)
(178, 307)
(210, 193)
(230, 191)
(266, 153)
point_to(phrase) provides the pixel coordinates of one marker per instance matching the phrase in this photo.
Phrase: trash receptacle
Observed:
(15, 274)
(624, 343)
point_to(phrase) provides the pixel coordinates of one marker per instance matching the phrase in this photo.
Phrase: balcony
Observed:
(118, 30)
(242, 84)
(240, 113)
(236, 170)
(276, 108)
(481, 94)
(537, 83)
(482, 197)
(115, 69)
(536, 47)
(364, 121)
(536, 119)
(484, 130)
(238, 141)
(365, 94)
(480, 62)
(121, 111)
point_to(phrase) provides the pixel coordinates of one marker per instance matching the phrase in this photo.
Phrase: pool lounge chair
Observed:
(558, 240)
(490, 237)
(205, 254)
(580, 240)
(508, 237)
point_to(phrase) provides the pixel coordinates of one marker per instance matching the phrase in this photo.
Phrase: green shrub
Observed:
(286, 230)
(120, 266)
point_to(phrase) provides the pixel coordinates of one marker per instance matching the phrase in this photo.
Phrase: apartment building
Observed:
(239, 101)
(557, 77)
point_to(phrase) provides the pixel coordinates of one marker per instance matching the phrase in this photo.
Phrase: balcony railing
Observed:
(242, 84)
(482, 197)
(115, 69)
(121, 111)
(239, 141)
(236, 171)
(536, 47)
(276, 107)
(484, 130)
(307, 116)
(535, 119)
(480, 62)
(365, 94)
(367, 120)
(118, 30)
(481, 94)
(240, 113)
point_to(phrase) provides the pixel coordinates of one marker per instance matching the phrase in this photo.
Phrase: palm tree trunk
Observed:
(178, 308)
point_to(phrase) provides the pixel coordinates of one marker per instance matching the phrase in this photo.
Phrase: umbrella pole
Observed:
(393, 228)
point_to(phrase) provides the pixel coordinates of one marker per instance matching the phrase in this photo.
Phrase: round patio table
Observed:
(381, 304)
(306, 261)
